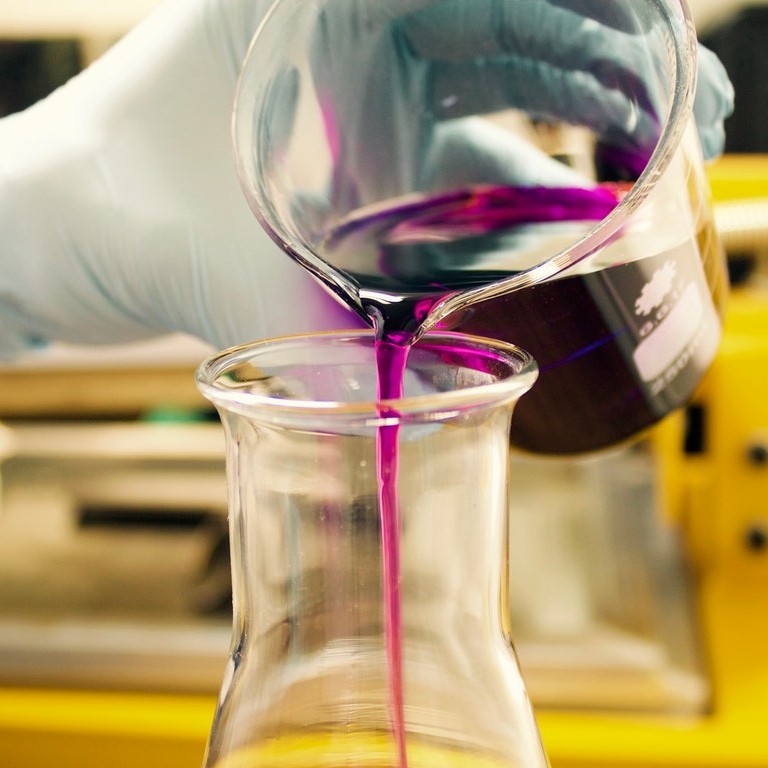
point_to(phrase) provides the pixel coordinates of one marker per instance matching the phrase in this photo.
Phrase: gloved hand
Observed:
(120, 211)
(395, 79)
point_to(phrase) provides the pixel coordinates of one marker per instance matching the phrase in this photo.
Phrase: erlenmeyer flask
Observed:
(329, 666)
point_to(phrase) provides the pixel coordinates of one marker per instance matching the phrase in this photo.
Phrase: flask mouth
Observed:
(332, 376)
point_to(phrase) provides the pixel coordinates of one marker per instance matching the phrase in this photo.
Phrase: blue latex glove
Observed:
(120, 211)
(400, 75)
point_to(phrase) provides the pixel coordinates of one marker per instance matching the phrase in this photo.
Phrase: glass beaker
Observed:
(519, 169)
(329, 666)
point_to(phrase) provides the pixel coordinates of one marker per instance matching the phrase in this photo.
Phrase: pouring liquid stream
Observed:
(391, 359)
(398, 305)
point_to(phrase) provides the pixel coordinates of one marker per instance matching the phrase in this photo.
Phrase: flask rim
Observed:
(511, 372)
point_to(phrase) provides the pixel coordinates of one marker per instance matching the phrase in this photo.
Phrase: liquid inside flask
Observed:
(371, 625)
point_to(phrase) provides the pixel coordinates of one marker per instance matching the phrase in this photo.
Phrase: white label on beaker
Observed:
(690, 329)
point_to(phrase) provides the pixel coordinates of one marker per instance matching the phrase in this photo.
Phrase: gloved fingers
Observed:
(545, 93)
(472, 151)
(474, 30)
(599, 49)
(477, 56)
(378, 96)
(713, 103)
(536, 30)
(585, 61)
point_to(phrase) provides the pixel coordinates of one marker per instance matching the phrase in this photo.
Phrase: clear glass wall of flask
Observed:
(329, 666)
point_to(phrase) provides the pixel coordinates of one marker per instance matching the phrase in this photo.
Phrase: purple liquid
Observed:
(597, 384)
(408, 255)
(596, 351)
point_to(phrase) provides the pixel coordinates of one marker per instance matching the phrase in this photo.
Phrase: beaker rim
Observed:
(511, 371)
(677, 21)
